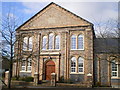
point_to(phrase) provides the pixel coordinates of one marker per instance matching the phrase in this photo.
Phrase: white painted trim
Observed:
(25, 71)
(49, 53)
(76, 73)
(114, 71)
(82, 67)
(83, 42)
(71, 42)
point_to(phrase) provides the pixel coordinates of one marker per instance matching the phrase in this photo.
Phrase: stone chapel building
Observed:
(57, 41)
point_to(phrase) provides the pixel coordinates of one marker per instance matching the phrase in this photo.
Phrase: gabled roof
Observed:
(56, 6)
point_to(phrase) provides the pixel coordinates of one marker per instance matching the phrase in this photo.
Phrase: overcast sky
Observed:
(91, 11)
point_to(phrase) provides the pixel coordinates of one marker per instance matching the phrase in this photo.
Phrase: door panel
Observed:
(50, 68)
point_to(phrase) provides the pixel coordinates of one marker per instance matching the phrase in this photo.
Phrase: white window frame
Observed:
(78, 41)
(81, 67)
(57, 42)
(72, 42)
(30, 46)
(29, 66)
(23, 66)
(25, 43)
(113, 62)
(44, 44)
(75, 65)
(51, 44)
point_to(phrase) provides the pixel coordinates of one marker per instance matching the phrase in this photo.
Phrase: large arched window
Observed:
(30, 43)
(51, 38)
(57, 42)
(80, 42)
(44, 43)
(73, 42)
(73, 64)
(25, 43)
(114, 69)
(80, 64)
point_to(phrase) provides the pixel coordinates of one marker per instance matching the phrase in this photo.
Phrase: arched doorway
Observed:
(49, 68)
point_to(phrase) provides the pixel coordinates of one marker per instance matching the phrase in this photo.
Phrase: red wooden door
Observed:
(50, 68)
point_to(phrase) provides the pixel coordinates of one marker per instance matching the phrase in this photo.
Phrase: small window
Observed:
(73, 64)
(57, 42)
(44, 43)
(114, 69)
(73, 42)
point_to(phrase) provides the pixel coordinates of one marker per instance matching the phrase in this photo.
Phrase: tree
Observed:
(9, 24)
(108, 29)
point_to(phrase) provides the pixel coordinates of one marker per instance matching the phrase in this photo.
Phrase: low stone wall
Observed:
(72, 85)
(22, 83)
(115, 83)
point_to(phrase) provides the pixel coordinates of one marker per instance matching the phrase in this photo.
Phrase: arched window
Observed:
(30, 43)
(25, 43)
(29, 64)
(80, 42)
(57, 42)
(51, 38)
(114, 69)
(73, 64)
(80, 64)
(44, 43)
(73, 42)
(23, 65)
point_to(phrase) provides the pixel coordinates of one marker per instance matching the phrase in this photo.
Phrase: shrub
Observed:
(27, 79)
(98, 84)
(68, 81)
(15, 78)
(62, 80)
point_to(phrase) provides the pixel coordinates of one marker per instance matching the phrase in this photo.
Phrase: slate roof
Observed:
(106, 45)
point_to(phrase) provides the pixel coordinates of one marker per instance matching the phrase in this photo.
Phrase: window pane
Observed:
(25, 42)
(73, 42)
(80, 42)
(23, 63)
(57, 42)
(73, 64)
(72, 69)
(51, 38)
(30, 43)
(80, 69)
(44, 43)
(114, 74)
(23, 68)
(29, 68)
